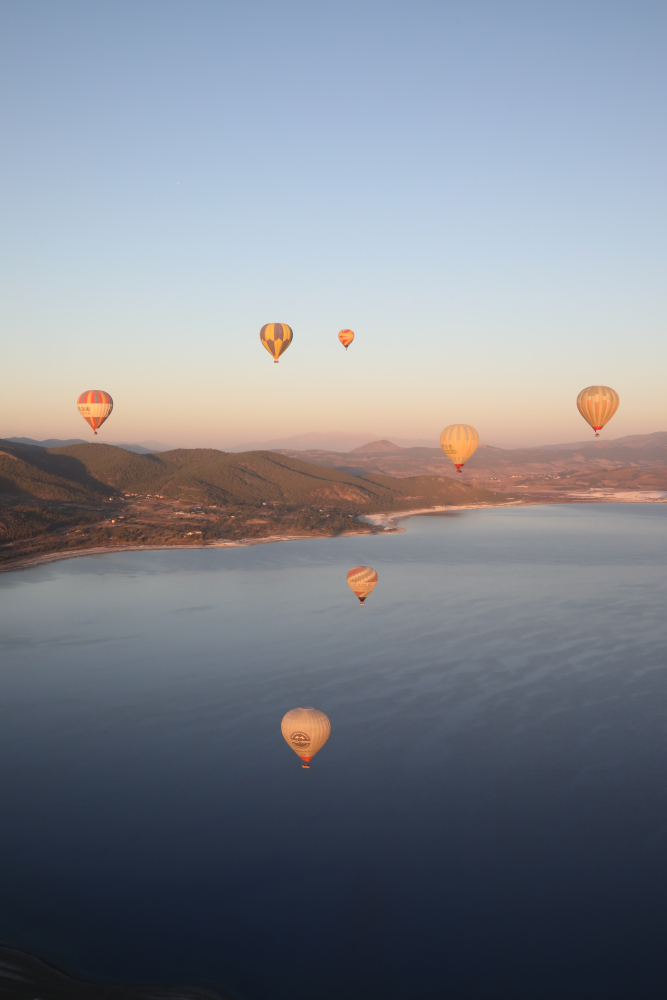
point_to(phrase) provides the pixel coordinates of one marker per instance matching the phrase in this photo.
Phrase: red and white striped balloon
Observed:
(95, 405)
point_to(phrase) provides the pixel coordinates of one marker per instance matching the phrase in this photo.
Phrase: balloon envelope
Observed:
(346, 337)
(95, 406)
(276, 338)
(459, 442)
(597, 404)
(306, 730)
(361, 581)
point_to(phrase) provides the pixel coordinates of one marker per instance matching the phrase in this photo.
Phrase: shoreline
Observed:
(28, 562)
(385, 520)
(388, 519)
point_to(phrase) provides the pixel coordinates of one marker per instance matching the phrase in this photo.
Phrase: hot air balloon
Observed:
(459, 442)
(276, 338)
(361, 581)
(306, 730)
(597, 404)
(346, 337)
(95, 406)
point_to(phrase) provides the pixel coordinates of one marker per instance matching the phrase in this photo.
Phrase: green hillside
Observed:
(123, 470)
(253, 477)
(204, 475)
(441, 488)
(27, 471)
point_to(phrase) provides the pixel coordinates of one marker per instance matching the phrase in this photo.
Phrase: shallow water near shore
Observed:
(487, 819)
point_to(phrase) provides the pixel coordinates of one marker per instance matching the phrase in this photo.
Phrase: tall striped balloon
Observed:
(95, 406)
(459, 442)
(346, 337)
(276, 338)
(597, 404)
(306, 730)
(361, 581)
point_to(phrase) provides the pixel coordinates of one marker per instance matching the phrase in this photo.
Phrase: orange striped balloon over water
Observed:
(361, 580)
(94, 406)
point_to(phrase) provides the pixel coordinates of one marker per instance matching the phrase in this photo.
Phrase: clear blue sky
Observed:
(477, 189)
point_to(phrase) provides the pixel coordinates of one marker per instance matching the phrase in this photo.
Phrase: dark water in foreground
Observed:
(488, 818)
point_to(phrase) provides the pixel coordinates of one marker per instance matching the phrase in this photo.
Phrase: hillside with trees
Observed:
(97, 495)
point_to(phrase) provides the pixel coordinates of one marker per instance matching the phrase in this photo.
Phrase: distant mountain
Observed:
(145, 448)
(655, 439)
(333, 441)
(372, 476)
(494, 464)
(49, 443)
(376, 448)
(92, 471)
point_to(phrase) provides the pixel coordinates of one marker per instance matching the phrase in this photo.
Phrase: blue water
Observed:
(488, 818)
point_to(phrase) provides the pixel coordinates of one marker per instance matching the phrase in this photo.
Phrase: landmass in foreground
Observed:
(88, 496)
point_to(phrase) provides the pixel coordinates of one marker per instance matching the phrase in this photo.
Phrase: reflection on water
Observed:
(489, 820)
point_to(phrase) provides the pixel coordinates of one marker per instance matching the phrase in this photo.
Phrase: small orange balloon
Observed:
(361, 581)
(346, 337)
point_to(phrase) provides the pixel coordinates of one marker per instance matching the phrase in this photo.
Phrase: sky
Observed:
(477, 189)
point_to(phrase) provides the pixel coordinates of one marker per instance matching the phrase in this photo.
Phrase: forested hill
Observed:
(89, 472)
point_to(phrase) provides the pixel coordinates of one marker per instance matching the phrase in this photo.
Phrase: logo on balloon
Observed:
(300, 740)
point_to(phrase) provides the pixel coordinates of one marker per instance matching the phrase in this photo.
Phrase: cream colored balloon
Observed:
(306, 730)
(459, 442)
(597, 404)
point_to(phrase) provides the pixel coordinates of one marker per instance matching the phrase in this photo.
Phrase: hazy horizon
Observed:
(327, 441)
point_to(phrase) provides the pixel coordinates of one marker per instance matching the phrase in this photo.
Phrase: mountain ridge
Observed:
(90, 471)
(62, 501)
(489, 463)
(142, 448)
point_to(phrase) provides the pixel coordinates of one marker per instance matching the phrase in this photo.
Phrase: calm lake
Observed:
(487, 820)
